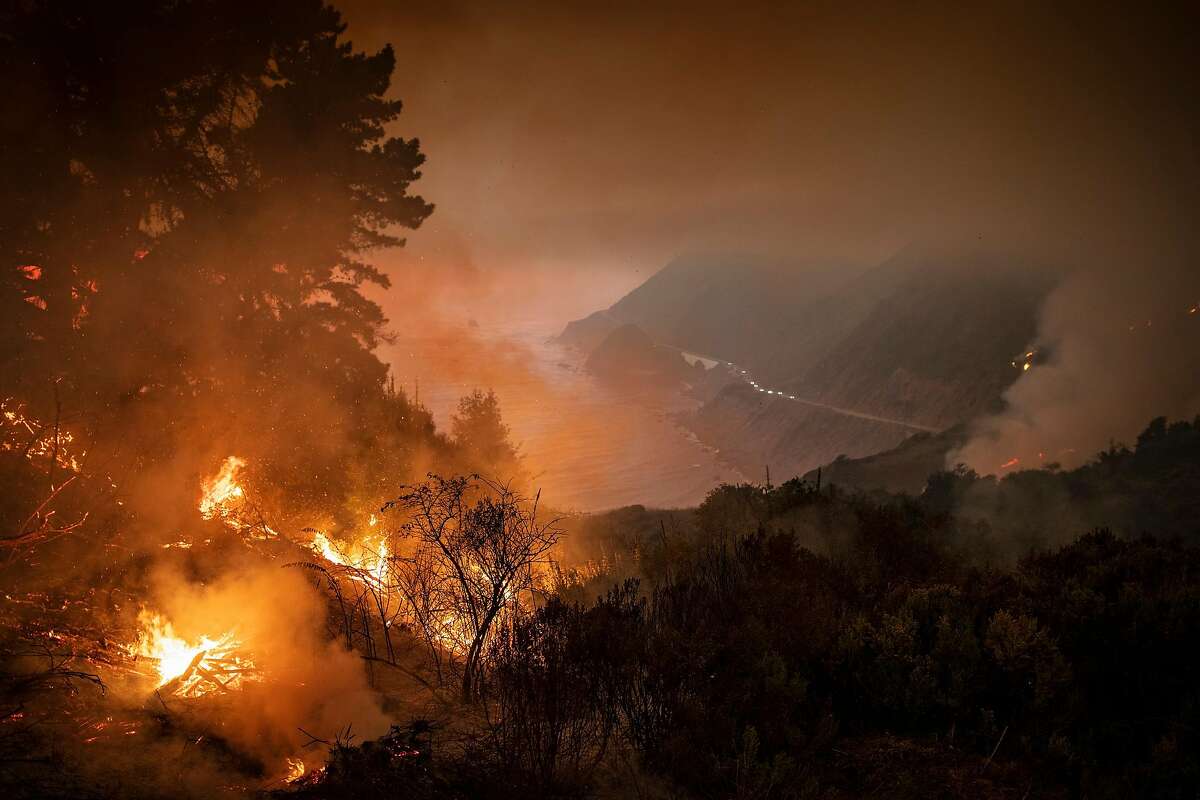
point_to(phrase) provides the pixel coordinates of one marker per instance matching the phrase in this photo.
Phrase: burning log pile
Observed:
(192, 669)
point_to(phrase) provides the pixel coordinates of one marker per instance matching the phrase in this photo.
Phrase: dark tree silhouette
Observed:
(192, 191)
(479, 431)
(475, 546)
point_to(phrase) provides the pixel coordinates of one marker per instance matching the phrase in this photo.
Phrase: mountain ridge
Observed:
(927, 336)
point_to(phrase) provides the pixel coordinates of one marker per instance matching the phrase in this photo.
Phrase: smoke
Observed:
(1064, 131)
(1116, 348)
(307, 681)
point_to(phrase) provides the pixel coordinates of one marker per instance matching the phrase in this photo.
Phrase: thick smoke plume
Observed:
(1115, 349)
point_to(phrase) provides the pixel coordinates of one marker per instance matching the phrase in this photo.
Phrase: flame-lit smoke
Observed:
(250, 650)
(1115, 349)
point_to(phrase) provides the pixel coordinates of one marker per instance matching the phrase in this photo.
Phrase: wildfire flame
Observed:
(1012, 462)
(222, 497)
(222, 490)
(295, 770)
(191, 669)
(368, 557)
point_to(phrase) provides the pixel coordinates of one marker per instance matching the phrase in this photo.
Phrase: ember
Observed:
(35, 439)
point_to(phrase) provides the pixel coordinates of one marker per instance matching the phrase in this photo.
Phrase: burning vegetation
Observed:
(162, 313)
(191, 669)
(238, 561)
(460, 560)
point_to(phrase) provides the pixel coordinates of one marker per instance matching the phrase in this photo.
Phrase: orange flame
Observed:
(220, 492)
(368, 557)
(197, 667)
(222, 497)
(295, 770)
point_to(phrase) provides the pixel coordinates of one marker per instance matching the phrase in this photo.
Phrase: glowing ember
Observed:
(191, 669)
(22, 433)
(1012, 462)
(220, 492)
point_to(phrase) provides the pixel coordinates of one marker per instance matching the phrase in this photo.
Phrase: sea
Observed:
(588, 446)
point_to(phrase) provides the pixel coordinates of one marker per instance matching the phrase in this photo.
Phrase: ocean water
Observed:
(588, 446)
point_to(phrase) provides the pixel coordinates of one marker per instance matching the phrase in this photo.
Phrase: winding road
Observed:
(848, 412)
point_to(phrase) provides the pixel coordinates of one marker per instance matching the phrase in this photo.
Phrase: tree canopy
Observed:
(193, 193)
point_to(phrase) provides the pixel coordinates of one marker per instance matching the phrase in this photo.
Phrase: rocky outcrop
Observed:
(629, 356)
(586, 334)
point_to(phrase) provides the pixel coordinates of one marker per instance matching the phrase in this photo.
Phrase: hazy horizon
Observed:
(585, 149)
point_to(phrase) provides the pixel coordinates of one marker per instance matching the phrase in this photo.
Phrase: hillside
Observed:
(1014, 619)
(938, 348)
(753, 432)
(764, 315)
(628, 355)
(903, 468)
(926, 337)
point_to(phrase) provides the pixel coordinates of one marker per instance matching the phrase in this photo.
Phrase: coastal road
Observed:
(847, 412)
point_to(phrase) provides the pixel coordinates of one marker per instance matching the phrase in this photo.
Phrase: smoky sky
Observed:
(602, 139)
